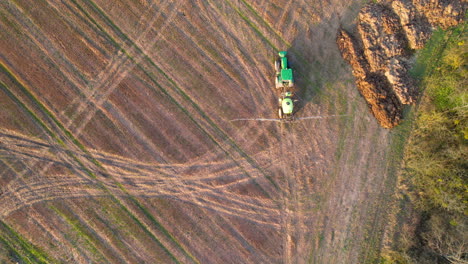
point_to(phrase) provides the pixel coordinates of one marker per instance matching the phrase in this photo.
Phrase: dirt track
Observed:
(116, 143)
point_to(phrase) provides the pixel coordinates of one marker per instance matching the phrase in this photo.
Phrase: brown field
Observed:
(116, 144)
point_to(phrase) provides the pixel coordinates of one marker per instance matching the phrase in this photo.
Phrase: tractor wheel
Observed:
(277, 67)
(280, 113)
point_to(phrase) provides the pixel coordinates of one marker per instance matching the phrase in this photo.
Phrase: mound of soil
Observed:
(379, 56)
(415, 25)
(382, 35)
(374, 87)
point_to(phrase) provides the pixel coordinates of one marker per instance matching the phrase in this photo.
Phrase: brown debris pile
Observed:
(379, 55)
(374, 88)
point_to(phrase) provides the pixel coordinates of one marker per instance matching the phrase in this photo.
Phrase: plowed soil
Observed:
(116, 144)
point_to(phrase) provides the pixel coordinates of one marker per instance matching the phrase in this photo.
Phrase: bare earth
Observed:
(116, 144)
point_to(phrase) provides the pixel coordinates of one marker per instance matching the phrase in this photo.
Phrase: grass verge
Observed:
(19, 249)
(432, 208)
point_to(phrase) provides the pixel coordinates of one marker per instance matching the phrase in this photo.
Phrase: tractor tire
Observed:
(277, 67)
(280, 113)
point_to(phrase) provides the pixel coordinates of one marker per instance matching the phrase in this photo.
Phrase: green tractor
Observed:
(284, 75)
(284, 82)
(285, 85)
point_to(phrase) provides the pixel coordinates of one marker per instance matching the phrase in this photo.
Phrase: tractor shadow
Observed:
(315, 58)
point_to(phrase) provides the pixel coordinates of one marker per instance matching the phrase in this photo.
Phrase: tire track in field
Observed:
(140, 177)
(63, 155)
(234, 55)
(94, 176)
(208, 81)
(89, 166)
(47, 182)
(137, 187)
(17, 200)
(198, 110)
(288, 217)
(286, 11)
(55, 185)
(116, 164)
(254, 220)
(45, 45)
(300, 223)
(289, 205)
(288, 208)
(179, 94)
(122, 64)
(299, 190)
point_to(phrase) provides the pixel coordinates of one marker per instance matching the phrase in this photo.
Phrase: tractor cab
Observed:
(284, 75)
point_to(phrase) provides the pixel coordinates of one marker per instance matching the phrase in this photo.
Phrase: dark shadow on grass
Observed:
(315, 58)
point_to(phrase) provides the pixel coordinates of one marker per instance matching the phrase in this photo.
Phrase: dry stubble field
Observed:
(116, 144)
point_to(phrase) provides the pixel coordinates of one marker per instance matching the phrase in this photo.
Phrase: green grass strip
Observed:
(31, 113)
(145, 229)
(13, 253)
(23, 248)
(79, 229)
(253, 26)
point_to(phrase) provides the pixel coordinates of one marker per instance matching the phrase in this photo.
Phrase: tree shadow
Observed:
(315, 58)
